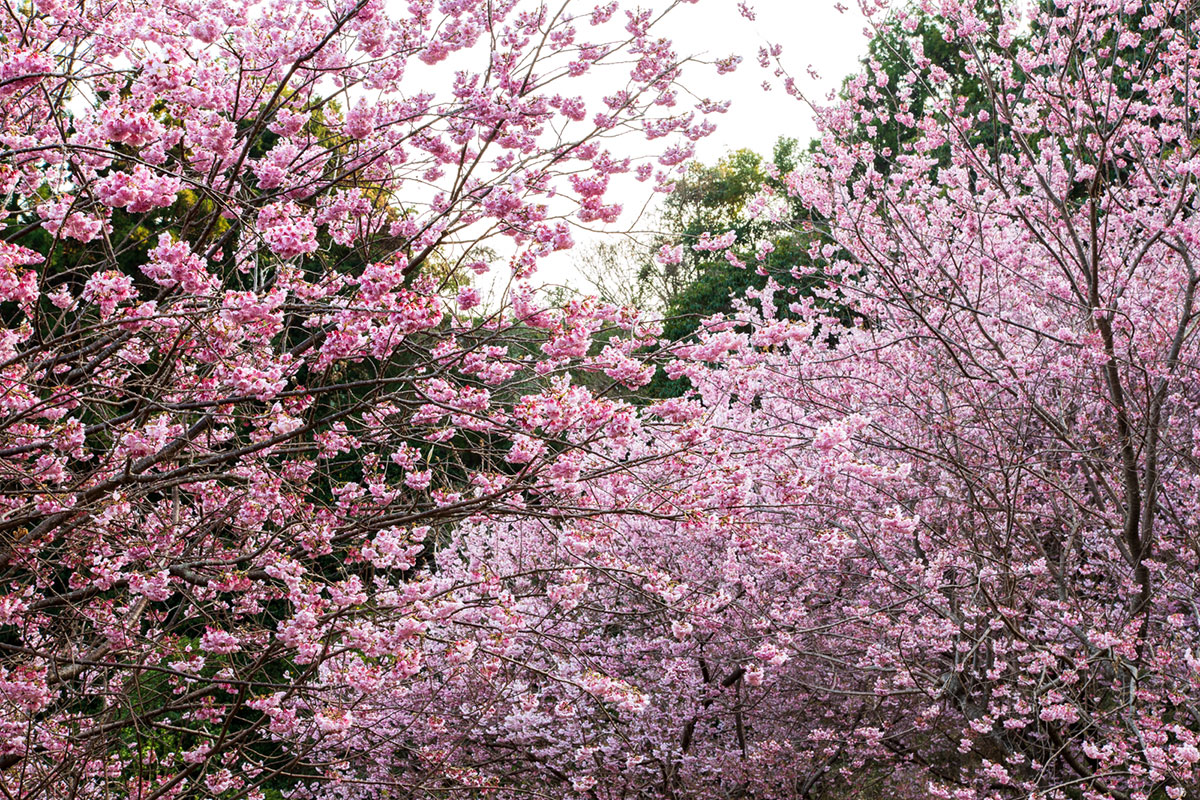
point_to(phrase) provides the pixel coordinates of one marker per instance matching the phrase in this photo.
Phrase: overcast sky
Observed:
(812, 32)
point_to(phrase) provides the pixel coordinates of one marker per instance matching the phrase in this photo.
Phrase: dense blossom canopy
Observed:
(246, 398)
(289, 511)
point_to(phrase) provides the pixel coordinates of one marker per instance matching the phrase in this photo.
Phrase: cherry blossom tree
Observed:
(947, 550)
(249, 391)
(288, 511)
(1027, 350)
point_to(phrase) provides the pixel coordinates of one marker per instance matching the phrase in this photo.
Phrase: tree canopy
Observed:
(289, 510)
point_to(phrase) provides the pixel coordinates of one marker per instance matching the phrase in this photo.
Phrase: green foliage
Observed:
(716, 200)
(915, 87)
(721, 197)
(744, 194)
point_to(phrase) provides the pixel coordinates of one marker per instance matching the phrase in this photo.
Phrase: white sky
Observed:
(812, 32)
(814, 35)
